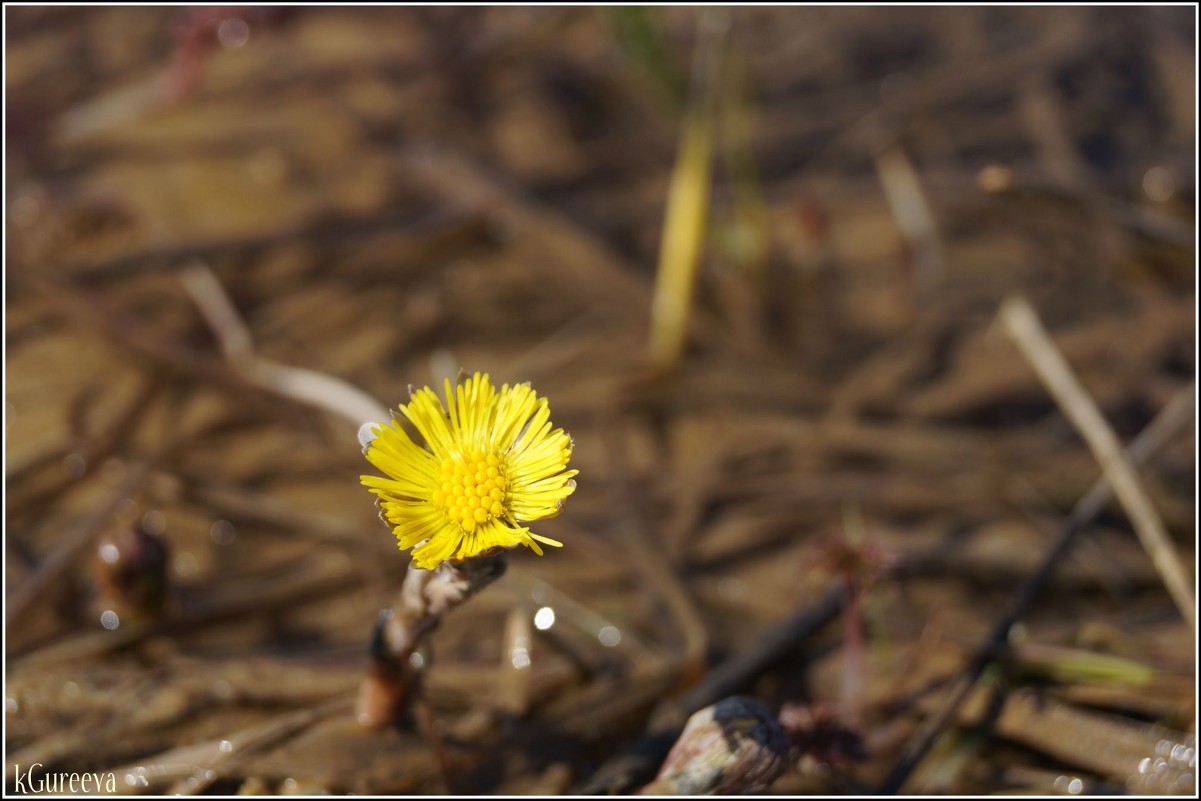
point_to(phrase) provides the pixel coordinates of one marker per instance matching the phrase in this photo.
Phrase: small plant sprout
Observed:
(490, 462)
(856, 563)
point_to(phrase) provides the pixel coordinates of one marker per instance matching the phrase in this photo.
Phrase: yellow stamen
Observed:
(472, 489)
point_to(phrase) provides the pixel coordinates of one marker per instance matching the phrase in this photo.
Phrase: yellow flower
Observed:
(490, 462)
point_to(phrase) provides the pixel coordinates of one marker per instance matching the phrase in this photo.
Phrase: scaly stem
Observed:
(426, 595)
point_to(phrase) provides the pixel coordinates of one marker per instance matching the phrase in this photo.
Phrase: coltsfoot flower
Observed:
(490, 462)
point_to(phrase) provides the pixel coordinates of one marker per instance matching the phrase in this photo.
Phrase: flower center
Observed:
(472, 489)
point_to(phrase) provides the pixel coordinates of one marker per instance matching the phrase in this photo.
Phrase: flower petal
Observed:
(506, 434)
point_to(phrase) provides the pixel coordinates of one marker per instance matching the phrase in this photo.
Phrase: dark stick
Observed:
(1155, 435)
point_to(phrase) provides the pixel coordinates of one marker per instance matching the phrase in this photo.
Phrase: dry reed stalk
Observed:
(685, 224)
(1023, 327)
(911, 210)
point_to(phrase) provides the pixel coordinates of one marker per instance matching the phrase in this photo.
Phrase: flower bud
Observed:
(732, 747)
(130, 575)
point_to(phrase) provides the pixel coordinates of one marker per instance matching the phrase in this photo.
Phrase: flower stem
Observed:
(391, 684)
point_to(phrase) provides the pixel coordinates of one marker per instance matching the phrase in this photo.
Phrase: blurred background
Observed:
(198, 200)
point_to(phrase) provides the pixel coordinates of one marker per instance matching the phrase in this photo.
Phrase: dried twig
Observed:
(911, 211)
(1146, 758)
(195, 767)
(1177, 414)
(1023, 327)
(142, 340)
(1109, 745)
(308, 386)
